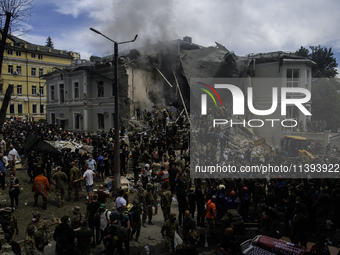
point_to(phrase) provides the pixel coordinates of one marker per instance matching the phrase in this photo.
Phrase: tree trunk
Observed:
(9, 89)
(3, 39)
(5, 104)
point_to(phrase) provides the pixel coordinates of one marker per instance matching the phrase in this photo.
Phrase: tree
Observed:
(49, 43)
(13, 13)
(326, 102)
(324, 59)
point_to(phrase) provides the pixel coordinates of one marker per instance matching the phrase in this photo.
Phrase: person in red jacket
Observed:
(40, 187)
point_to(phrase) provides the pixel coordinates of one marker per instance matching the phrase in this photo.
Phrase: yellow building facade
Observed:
(23, 66)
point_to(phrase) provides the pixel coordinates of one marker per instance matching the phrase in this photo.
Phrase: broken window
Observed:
(292, 77)
(100, 89)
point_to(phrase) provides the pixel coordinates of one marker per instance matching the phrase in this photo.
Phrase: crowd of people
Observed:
(157, 162)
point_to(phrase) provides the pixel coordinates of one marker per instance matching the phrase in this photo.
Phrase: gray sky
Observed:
(244, 27)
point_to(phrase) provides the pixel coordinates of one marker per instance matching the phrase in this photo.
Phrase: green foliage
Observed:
(326, 102)
(324, 59)
(49, 43)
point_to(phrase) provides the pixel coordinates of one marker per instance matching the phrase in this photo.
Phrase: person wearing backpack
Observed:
(112, 236)
(104, 217)
(124, 219)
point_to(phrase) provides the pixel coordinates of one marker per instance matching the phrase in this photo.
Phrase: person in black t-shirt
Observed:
(91, 210)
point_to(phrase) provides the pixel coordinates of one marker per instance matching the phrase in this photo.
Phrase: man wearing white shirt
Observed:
(120, 201)
(12, 156)
(88, 176)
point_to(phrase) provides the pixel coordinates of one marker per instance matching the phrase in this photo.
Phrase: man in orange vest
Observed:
(40, 187)
(211, 217)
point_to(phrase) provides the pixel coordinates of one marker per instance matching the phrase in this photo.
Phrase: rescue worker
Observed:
(168, 232)
(76, 219)
(166, 199)
(164, 176)
(59, 179)
(155, 195)
(232, 201)
(40, 187)
(42, 233)
(29, 243)
(211, 217)
(136, 211)
(149, 203)
(74, 175)
(9, 222)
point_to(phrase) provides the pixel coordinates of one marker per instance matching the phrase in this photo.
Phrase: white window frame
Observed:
(10, 109)
(34, 106)
(292, 82)
(18, 53)
(19, 70)
(33, 71)
(22, 108)
(10, 69)
(34, 89)
(19, 89)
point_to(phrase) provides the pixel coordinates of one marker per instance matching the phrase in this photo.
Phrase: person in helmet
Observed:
(232, 201)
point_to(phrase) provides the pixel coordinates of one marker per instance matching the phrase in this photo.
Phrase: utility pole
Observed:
(116, 152)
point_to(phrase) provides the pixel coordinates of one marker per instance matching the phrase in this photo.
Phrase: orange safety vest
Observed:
(41, 185)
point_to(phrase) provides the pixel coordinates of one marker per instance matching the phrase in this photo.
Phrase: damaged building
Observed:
(81, 98)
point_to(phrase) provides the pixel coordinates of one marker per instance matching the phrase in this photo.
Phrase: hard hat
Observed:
(232, 193)
(245, 189)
